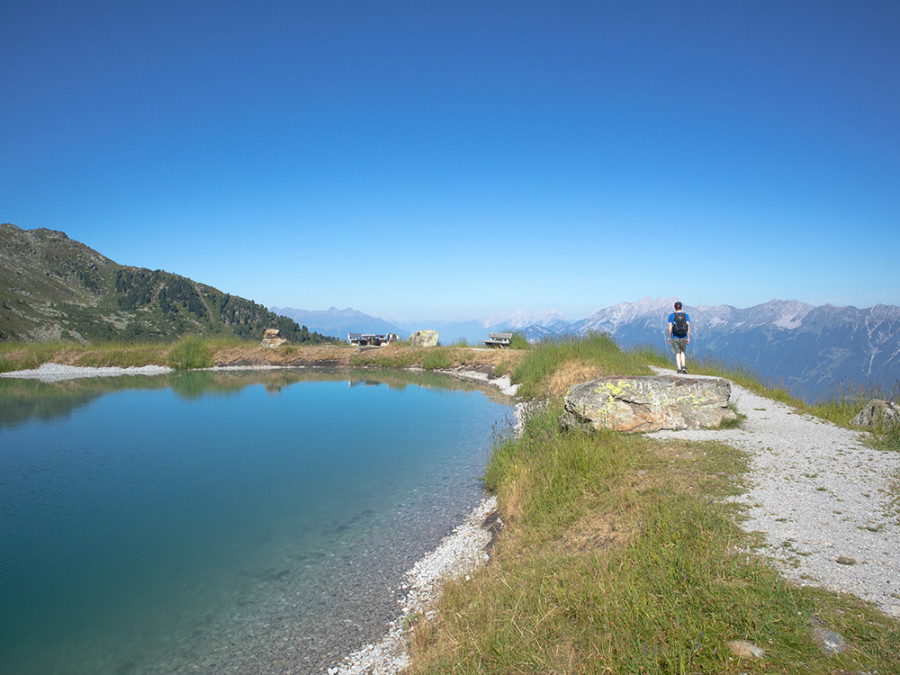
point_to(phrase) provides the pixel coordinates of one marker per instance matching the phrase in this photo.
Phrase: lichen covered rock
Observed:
(648, 403)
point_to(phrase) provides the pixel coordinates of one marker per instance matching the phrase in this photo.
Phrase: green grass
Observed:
(189, 353)
(393, 357)
(596, 353)
(519, 341)
(29, 355)
(26, 356)
(386, 357)
(620, 555)
(440, 358)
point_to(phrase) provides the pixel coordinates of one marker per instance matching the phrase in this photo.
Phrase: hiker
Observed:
(679, 336)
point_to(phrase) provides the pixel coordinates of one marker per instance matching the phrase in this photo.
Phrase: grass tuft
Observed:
(189, 353)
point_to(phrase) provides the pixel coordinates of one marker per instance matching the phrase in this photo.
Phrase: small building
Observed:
(371, 339)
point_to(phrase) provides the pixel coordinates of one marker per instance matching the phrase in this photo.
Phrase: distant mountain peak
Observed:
(521, 318)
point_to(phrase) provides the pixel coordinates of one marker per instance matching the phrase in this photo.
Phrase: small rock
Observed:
(829, 641)
(745, 649)
(877, 413)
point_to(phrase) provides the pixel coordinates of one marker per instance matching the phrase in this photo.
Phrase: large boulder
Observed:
(272, 338)
(877, 414)
(648, 403)
(424, 338)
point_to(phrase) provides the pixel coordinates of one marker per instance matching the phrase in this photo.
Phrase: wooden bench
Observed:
(498, 340)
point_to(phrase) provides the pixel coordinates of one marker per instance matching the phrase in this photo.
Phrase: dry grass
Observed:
(571, 373)
(596, 530)
(234, 353)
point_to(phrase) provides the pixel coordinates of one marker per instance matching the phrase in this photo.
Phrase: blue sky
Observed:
(458, 159)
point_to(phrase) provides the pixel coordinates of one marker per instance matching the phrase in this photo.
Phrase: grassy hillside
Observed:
(55, 288)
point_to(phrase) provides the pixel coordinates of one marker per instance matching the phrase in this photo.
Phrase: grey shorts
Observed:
(679, 345)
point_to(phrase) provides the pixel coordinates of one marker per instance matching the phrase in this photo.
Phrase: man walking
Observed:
(679, 336)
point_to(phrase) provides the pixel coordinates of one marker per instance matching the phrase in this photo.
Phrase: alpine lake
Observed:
(225, 522)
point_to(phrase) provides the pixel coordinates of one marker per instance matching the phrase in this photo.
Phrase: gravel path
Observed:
(820, 495)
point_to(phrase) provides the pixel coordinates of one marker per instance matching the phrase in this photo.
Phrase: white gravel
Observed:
(459, 553)
(820, 495)
(55, 372)
(503, 383)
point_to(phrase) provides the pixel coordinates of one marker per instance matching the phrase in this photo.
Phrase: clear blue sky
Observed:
(456, 159)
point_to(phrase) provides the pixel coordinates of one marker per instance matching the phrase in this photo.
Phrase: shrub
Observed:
(437, 359)
(519, 341)
(190, 352)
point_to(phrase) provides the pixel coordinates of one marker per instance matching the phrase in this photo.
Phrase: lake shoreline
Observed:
(459, 552)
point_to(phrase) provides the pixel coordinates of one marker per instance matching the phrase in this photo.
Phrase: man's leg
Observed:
(678, 346)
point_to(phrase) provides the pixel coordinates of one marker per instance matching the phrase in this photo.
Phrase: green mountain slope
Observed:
(55, 288)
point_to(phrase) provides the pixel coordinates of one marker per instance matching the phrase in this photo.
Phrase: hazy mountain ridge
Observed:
(55, 288)
(338, 322)
(808, 349)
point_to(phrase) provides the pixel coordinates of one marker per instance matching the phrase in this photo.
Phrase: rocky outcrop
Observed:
(877, 414)
(272, 338)
(424, 338)
(648, 403)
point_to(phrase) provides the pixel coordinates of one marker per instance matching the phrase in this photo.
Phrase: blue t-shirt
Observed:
(672, 321)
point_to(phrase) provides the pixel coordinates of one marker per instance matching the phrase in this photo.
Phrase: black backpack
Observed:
(679, 325)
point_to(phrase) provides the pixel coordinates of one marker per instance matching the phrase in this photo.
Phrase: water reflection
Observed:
(24, 400)
(204, 522)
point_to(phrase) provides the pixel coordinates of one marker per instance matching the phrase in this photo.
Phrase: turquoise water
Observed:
(229, 523)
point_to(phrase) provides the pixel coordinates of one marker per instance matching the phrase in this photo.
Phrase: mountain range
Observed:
(56, 288)
(53, 287)
(809, 350)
